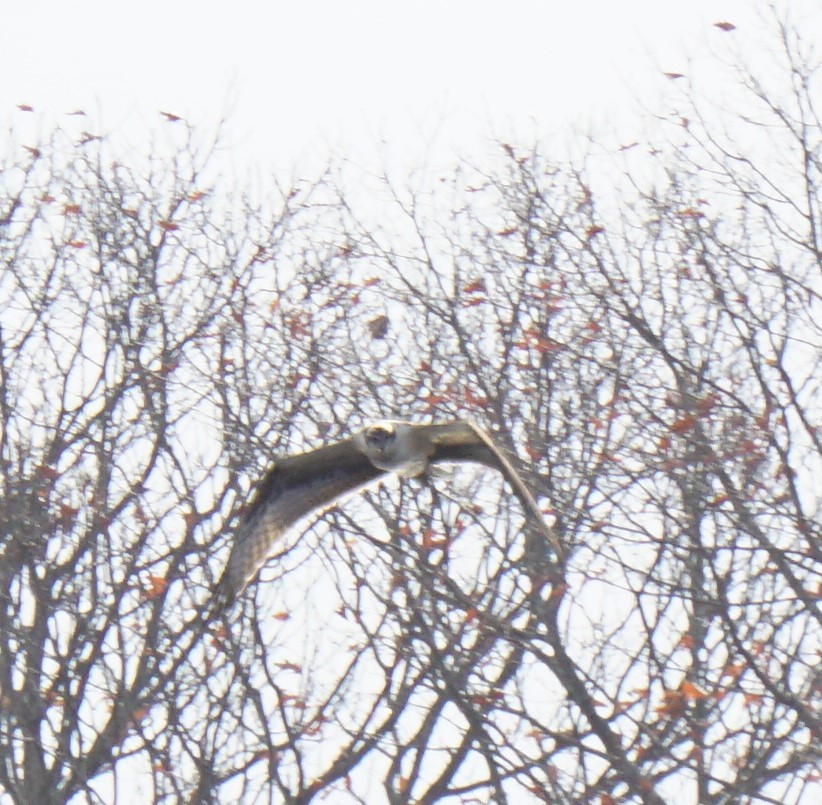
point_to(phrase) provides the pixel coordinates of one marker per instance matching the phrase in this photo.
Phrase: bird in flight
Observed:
(298, 485)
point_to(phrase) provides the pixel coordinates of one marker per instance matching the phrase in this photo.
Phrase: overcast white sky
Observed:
(303, 76)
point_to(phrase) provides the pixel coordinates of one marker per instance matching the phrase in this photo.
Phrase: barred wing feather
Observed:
(294, 487)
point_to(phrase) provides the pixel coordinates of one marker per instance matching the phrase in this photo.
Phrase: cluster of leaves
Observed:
(644, 350)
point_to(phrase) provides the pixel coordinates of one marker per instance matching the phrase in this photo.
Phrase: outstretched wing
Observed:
(293, 488)
(301, 484)
(463, 441)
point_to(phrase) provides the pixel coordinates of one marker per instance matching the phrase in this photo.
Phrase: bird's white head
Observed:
(390, 445)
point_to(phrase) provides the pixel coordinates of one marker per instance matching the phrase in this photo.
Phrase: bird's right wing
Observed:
(293, 488)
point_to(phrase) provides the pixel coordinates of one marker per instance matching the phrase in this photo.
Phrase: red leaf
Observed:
(725, 26)
(674, 76)
(67, 514)
(485, 699)
(435, 399)
(671, 464)
(48, 472)
(684, 423)
(746, 447)
(155, 586)
(171, 117)
(24, 107)
(718, 500)
(692, 692)
(298, 325)
(673, 703)
(168, 226)
(430, 541)
(734, 670)
(504, 233)
(51, 696)
(543, 345)
(190, 519)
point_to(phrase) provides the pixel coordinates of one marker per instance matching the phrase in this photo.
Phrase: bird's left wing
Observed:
(293, 488)
(463, 441)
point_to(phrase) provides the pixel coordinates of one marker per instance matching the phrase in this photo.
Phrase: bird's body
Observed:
(309, 482)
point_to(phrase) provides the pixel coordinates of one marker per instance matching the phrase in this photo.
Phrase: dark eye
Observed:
(379, 433)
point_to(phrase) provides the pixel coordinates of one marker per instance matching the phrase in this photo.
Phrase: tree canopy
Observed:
(638, 326)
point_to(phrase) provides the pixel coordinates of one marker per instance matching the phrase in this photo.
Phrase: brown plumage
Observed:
(313, 481)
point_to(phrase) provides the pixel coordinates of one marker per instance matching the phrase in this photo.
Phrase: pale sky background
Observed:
(396, 81)
(299, 78)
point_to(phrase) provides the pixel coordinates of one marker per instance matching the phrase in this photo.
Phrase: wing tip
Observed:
(225, 596)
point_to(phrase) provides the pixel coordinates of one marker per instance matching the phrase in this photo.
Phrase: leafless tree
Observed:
(643, 340)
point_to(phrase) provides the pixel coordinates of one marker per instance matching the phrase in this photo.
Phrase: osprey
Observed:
(298, 485)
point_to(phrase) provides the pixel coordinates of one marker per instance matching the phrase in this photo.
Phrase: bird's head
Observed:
(392, 446)
(380, 440)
